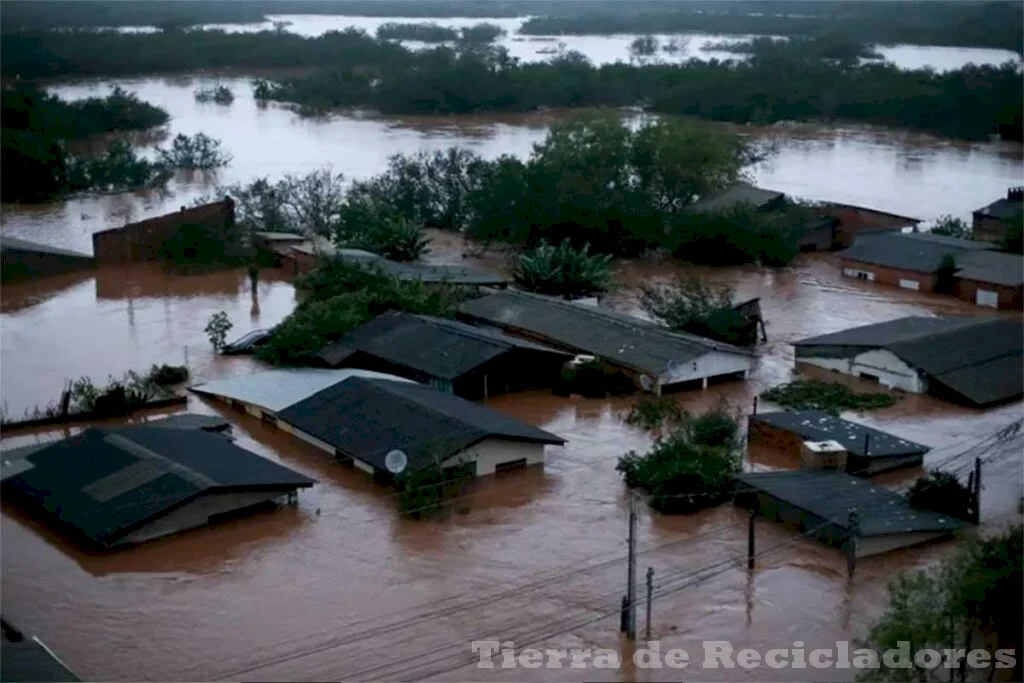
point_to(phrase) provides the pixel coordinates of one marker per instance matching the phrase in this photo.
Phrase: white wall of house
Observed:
(711, 364)
(197, 513)
(859, 274)
(310, 439)
(490, 453)
(889, 369)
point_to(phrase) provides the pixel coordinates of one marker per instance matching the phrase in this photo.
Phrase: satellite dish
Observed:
(646, 383)
(396, 461)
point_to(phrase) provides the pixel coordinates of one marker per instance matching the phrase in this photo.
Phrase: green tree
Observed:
(949, 226)
(563, 271)
(691, 305)
(217, 328)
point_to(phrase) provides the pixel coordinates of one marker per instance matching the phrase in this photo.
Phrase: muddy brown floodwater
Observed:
(356, 593)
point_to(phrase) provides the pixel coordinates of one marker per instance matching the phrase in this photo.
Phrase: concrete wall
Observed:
(143, 241)
(857, 220)
(712, 364)
(1008, 297)
(197, 513)
(493, 452)
(889, 370)
(907, 279)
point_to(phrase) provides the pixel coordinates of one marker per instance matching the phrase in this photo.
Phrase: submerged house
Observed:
(994, 279)
(654, 356)
(360, 421)
(820, 504)
(993, 222)
(114, 487)
(468, 361)
(864, 451)
(353, 414)
(909, 260)
(977, 361)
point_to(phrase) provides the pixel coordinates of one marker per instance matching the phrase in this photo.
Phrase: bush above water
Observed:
(831, 397)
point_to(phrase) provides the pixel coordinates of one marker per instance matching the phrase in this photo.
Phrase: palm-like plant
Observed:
(563, 270)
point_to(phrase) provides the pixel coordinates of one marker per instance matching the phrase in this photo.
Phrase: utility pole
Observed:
(851, 548)
(631, 574)
(750, 538)
(650, 596)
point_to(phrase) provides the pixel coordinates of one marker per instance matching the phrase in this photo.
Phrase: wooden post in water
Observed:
(851, 544)
(750, 538)
(867, 444)
(650, 598)
(755, 406)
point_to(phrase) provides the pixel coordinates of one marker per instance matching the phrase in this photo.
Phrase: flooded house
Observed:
(22, 259)
(993, 279)
(359, 416)
(364, 422)
(859, 449)
(993, 221)
(653, 356)
(115, 487)
(975, 361)
(466, 360)
(842, 511)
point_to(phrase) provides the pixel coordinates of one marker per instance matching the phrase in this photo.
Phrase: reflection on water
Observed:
(902, 172)
(294, 594)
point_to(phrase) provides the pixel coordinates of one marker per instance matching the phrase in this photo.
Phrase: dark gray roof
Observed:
(916, 251)
(419, 271)
(1004, 209)
(247, 343)
(734, 196)
(209, 423)
(618, 338)
(444, 349)
(367, 418)
(981, 359)
(29, 661)
(995, 267)
(15, 244)
(831, 496)
(815, 425)
(107, 482)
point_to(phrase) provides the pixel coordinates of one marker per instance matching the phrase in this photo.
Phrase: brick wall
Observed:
(889, 276)
(989, 229)
(143, 241)
(1009, 297)
(856, 220)
(771, 437)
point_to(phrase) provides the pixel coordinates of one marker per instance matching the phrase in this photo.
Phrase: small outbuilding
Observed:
(868, 451)
(361, 420)
(654, 356)
(468, 361)
(838, 509)
(115, 487)
(978, 361)
(994, 221)
(994, 279)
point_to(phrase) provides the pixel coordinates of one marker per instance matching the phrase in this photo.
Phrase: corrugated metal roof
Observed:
(406, 271)
(443, 349)
(13, 243)
(275, 390)
(210, 423)
(367, 418)
(981, 359)
(736, 195)
(815, 425)
(29, 661)
(995, 267)
(831, 496)
(107, 482)
(618, 338)
(915, 251)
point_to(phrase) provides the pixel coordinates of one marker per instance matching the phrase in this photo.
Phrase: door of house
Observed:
(988, 298)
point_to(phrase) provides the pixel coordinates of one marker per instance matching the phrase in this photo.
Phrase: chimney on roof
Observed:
(1015, 194)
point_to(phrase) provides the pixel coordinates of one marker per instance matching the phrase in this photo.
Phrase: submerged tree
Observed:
(199, 152)
(692, 305)
(563, 271)
(948, 226)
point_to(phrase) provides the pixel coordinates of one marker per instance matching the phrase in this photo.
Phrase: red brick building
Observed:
(145, 240)
(908, 260)
(992, 223)
(858, 220)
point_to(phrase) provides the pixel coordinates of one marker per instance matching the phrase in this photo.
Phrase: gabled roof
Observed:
(367, 418)
(15, 244)
(107, 482)
(736, 195)
(30, 661)
(621, 339)
(831, 496)
(815, 425)
(916, 251)
(981, 359)
(994, 267)
(444, 349)
(1004, 209)
(275, 390)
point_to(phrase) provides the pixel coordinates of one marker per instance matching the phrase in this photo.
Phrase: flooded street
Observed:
(341, 587)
